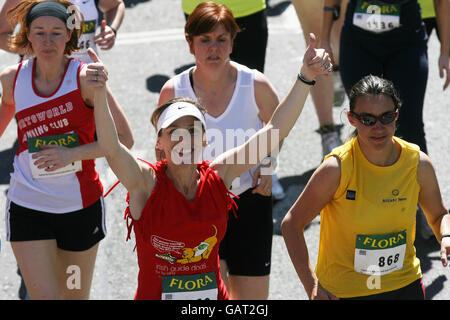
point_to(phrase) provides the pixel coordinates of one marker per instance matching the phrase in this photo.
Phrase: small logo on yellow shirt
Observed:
(397, 198)
(351, 195)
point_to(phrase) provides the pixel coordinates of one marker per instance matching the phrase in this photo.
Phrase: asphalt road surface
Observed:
(150, 49)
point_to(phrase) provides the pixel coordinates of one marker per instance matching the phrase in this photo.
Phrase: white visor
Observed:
(176, 111)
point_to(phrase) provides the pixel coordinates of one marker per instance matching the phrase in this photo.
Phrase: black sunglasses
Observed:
(368, 119)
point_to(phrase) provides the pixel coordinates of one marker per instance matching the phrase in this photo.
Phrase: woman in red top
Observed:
(179, 207)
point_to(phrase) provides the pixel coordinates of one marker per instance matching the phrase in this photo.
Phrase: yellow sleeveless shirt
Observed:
(367, 230)
(427, 7)
(239, 8)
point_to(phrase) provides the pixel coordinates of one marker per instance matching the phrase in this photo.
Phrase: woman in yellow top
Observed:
(367, 191)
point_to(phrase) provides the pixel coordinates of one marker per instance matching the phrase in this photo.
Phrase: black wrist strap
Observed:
(114, 30)
(445, 235)
(302, 78)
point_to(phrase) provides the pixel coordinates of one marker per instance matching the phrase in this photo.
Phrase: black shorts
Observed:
(413, 291)
(247, 245)
(73, 231)
(250, 45)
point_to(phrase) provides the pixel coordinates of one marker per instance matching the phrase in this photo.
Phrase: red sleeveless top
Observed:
(177, 240)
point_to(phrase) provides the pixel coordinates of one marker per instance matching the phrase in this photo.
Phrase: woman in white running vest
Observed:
(113, 13)
(239, 101)
(54, 218)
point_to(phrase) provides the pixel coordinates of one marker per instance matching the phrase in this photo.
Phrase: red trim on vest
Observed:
(15, 79)
(57, 116)
(60, 82)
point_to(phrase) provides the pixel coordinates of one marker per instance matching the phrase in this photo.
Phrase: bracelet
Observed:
(268, 161)
(302, 78)
(336, 11)
(445, 235)
(114, 30)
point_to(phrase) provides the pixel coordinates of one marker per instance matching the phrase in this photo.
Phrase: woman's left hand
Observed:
(264, 187)
(445, 250)
(53, 157)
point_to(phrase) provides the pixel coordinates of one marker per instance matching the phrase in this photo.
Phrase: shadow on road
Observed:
(424, 249)
(156, 81)
(132, 3)
(292, 186)
(277, 9)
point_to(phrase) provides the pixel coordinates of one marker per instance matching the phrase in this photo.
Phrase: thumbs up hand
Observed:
(106, 39)
(97, 75)
(315, 61)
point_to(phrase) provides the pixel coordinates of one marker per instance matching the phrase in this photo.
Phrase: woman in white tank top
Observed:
(238, 102)
(50, 95)
(113, 11)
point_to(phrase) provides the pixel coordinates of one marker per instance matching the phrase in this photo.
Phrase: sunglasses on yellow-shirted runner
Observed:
(368, 119)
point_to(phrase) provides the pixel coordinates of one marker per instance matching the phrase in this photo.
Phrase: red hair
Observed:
(18, 14)
(206, 16)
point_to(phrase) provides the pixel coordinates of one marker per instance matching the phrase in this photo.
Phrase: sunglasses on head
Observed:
(368, 119)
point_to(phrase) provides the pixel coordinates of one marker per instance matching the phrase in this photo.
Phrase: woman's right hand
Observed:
(444, 69)
(315, 61)
(319, 293)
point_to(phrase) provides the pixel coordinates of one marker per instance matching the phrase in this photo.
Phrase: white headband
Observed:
(176, 111)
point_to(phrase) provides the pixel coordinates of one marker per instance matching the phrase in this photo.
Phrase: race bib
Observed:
(380, 254)
(69, 140)
(191, 287)
(376, 16)
(86, 39)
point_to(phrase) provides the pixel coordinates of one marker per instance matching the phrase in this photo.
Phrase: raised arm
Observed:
(113, 11)
(5, 28)
(267, 101)
(131, 174)
(236, 161)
